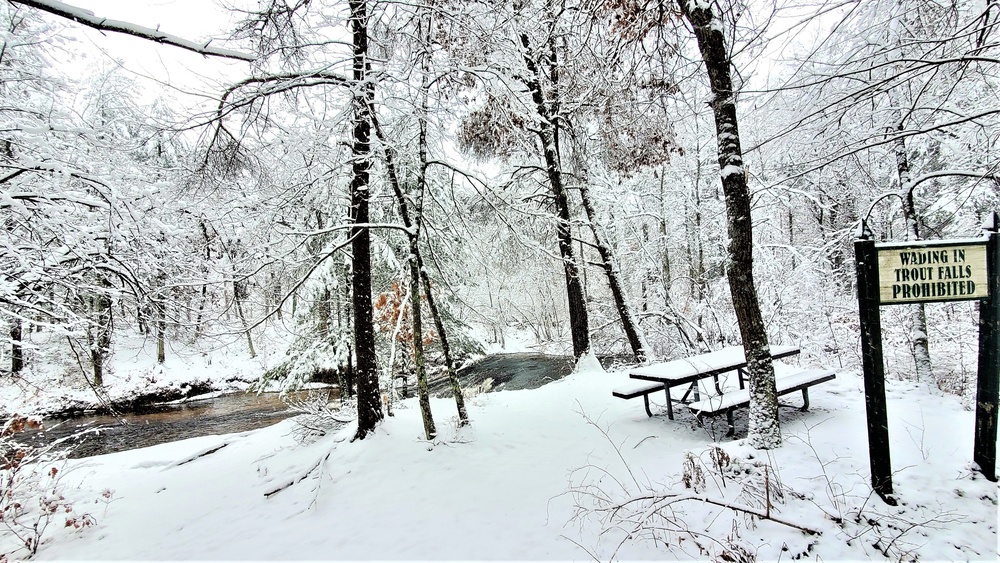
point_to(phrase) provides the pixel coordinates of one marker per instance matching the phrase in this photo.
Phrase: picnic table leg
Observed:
(805, 399)
(718, 389)
(670, 405)
(693, 388)
(732, 425)
(739, 373)
(645, 399)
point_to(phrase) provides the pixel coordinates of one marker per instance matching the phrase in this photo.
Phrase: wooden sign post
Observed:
(928, 271)
(988, 379)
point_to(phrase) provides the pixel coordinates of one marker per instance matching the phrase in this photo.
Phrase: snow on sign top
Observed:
(932, 271)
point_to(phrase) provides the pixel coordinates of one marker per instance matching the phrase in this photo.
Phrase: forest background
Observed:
(547, 167)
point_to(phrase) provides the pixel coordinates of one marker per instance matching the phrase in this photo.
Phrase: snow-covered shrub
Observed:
(318, 416)
(306, 359)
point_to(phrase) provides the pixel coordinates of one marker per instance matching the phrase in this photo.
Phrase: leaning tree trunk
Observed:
(456, 388)
(629, 324)
(578, 322)
(416, 319)
(413, 237)
(764, 431)
(390, 165)
(366, 373)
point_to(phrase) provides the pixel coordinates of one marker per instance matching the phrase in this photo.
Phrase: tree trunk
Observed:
(918, 313)
(366, 373)
(240, 291)
(430, 431)
(161, 328)
(456, 388)
(664, 247)
(547, 135)
(413, 237)
(635, 338)
(100, 340)
(204, 287)
(764, 431)
(323, 314)
(390, 164)
(16, 347)
(695, 248)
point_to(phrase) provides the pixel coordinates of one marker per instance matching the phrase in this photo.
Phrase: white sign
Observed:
(933, 271)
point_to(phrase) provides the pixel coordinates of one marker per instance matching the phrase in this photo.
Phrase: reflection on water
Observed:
(526, 370)
(224, 414)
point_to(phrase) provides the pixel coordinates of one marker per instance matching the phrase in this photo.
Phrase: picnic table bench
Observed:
(691, 371)
(731, 400)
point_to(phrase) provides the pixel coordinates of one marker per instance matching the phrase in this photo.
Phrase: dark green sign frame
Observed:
(988, 380)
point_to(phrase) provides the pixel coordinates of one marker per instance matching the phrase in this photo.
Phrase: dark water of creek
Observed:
(90, 435)
(241, 412)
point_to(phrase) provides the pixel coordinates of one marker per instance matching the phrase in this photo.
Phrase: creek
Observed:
(92, 435)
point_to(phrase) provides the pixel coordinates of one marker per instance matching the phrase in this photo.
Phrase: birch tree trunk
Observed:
(918, 313)
(764, 431)
(366, 375)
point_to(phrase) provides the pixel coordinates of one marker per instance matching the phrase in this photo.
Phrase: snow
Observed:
(588, 363)
(731, 170)
(509, 486)
(931, 243)
(53, 382)
(725, 358)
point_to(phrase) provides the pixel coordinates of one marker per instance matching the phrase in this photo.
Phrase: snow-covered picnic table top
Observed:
(703, 365)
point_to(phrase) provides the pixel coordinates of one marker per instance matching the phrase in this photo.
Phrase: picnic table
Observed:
(690, 371)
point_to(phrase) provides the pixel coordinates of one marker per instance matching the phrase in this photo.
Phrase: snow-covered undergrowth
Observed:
(562, 472)
(56, 377)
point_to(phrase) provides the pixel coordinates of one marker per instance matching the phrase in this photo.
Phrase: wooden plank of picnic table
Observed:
(703, 365)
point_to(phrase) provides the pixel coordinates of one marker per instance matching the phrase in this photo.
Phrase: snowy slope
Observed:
(510, 486)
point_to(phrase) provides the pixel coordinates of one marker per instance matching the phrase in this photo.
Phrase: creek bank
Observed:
(157, 423)
(134, 403)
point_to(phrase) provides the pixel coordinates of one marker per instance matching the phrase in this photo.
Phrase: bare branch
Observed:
(87, 18)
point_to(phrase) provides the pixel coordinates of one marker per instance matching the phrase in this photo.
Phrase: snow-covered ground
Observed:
(562, 472)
